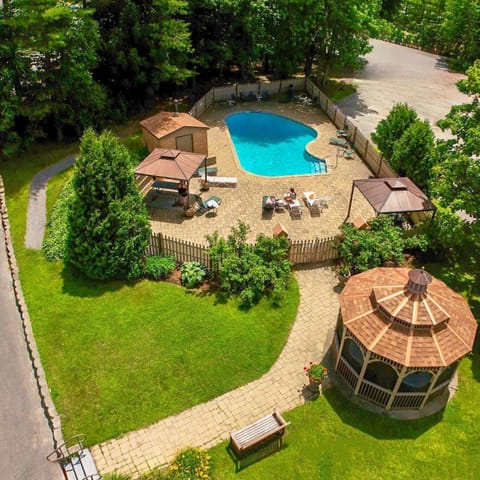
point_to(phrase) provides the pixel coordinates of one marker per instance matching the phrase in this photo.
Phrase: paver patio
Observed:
(245, 201)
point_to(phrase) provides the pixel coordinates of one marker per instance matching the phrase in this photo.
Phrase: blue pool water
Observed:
(273, 146)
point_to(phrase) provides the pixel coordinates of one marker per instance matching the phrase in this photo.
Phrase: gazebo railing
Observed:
(347, 372)
(374, 393)
(408, 400)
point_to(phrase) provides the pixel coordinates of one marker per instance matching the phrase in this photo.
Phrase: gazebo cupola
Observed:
(400, 336)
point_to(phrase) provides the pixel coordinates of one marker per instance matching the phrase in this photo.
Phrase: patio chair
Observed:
(265, 95)
(222, 181)
(339, 142)
(251, 95)
(210, 204)
(295, 208)
(269, 202)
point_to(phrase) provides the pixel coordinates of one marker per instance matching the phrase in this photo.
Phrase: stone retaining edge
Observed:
(48, 407)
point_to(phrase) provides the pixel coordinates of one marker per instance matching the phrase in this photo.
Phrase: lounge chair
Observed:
(210, 204)
(222, 181)
(339, 142)
(265, 95)
(295, 208)
(269, 202)
(210, 171)
(251, 95)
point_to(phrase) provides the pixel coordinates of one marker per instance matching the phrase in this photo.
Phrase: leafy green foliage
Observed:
(190, 464)
(457, 175)
(157, 268)
(192, 274)
(251, 270)
(362, 250)
(57, 225)
(413, 154)
(389, 130)
(108, 225)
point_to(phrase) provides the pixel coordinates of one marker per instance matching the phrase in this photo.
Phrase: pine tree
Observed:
(108, 224)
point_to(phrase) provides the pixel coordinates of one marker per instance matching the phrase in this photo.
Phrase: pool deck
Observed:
(245, 201)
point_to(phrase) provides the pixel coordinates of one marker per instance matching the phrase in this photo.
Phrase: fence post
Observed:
(380, 165)
(354, 135)
(366, 149)
(334, 114)
(280, 87)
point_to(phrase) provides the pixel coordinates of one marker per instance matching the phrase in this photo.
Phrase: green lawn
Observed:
(120, 356)
(333, 439)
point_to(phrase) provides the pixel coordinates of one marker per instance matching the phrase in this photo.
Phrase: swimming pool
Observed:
(273, 146)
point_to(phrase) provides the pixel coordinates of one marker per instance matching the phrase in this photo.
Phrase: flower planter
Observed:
(343, 277)
(314, 386)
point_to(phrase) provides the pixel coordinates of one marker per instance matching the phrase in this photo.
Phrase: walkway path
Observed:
(282, 388)
(37, 203)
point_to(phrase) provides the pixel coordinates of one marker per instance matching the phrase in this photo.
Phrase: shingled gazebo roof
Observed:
(408, 316)
(169, 163)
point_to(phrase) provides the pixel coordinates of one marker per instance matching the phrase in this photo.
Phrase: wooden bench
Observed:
(265, 430)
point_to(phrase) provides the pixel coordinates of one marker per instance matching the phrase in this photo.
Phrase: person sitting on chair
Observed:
(290, 196)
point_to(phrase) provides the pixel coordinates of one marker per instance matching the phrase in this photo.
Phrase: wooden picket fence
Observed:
(301, 251)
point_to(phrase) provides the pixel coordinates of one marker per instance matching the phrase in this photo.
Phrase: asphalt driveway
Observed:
(400, 74)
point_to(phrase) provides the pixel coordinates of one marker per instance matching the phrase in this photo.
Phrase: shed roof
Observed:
(393, 195)
(168, 163)
(165, 123)
(385, 311)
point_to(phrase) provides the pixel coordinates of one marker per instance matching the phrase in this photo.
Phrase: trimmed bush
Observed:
(192, 274)
(157, 268)
(57, 226)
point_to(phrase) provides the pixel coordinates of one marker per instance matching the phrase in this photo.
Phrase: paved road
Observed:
(25, 438)
(400, 74)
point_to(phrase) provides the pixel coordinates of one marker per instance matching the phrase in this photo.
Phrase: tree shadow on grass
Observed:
(376, 425)
(78, 285)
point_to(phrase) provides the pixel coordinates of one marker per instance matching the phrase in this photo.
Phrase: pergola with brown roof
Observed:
(392, 195)
(162, 165)
(400, 336)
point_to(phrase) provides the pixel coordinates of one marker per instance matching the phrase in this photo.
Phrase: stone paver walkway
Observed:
(37, 203)
(282, 388)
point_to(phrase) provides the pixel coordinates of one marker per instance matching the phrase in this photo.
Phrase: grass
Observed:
(337, 90)
(119, 356)
(331, 438)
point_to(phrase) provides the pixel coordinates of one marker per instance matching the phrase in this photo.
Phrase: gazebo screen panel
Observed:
(381, 374)
(417, 381)
(446, 374)
(353, 354)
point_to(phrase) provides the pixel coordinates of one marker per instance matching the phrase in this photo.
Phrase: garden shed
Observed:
(177, 131)
(400, 336)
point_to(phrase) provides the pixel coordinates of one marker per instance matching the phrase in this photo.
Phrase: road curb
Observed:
(48, 407)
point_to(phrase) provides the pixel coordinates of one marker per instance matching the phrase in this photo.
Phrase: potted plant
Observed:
(204, 186)
(343, 273)
(316, 373)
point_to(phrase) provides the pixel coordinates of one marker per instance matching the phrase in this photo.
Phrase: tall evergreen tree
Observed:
(108, 224)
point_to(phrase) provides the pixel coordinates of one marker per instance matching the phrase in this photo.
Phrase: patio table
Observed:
(310, 198)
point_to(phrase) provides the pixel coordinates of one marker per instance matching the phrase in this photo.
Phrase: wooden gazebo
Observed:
(400, 336)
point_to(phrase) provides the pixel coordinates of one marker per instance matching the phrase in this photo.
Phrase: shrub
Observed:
(390, 129)
(413, 154)
(192, 274)
(157, 268)
(383, 242)
(108, 224)
(251, 270)
(57, 226)
(190, 464)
